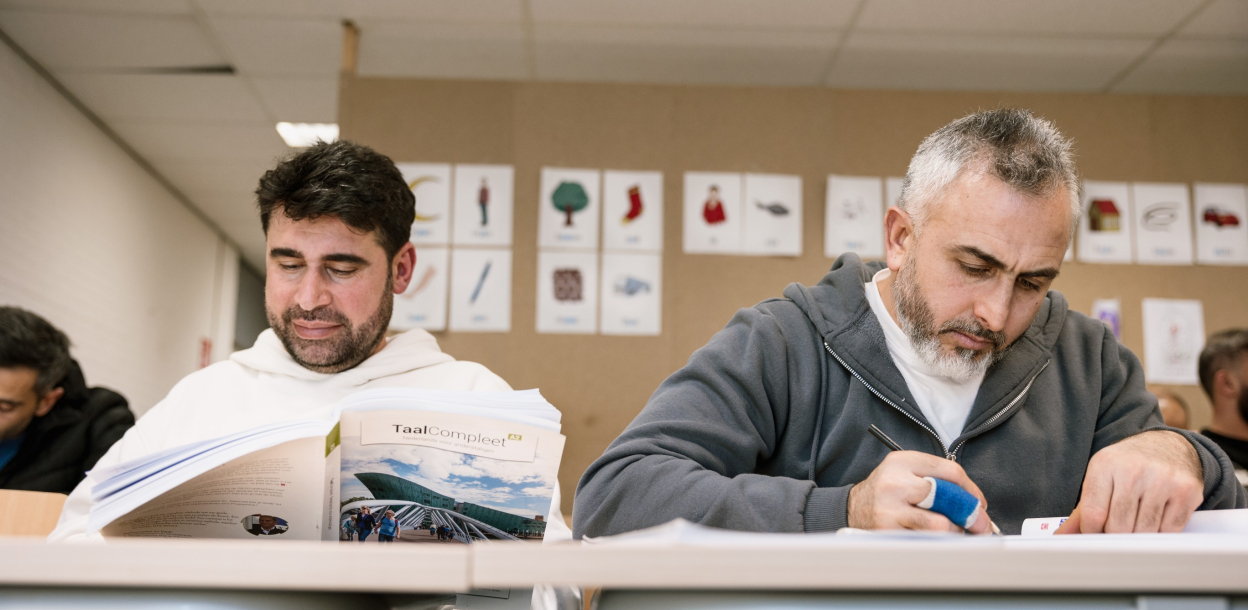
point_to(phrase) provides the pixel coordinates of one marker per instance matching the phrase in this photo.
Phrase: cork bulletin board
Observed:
(601, 382)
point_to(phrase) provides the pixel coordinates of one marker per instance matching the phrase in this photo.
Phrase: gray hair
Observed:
(1024, 151)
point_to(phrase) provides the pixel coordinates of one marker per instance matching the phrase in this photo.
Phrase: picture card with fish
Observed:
(480, 290)
(632, 211)
(483, 205)
(567, 292)
(1221, 217)
(423, 304)
(1174, 335)
(431, 184)
(772, 213)
(1163, 223)
(854, 217)
(712, 213)
(632, 294)
(1105, 226)
(568, 208)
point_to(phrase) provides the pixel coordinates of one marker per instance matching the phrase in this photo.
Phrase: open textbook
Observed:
(452, 466)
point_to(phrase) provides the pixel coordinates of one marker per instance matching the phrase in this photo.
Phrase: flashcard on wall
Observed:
(423, 304)
(567, 292)
(854, 217)
(1109, 311)
(632, 211)
(1174, 334)
(772, 211)
(892, 191)
(1105, 227)
(632, 298)
(431, 184)
(483, 205)
(1221, 224)
(480, 290)
(1163, 223)
(712, 213)
(568, 208)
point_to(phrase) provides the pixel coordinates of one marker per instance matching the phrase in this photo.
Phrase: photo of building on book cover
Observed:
(442, 478)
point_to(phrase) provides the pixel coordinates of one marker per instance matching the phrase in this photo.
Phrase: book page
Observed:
(276, 492)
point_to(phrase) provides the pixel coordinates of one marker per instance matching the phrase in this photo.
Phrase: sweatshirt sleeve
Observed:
(693, 450)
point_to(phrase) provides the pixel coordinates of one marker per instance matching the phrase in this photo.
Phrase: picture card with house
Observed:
(712, 213)
(632, 294)
(483, 205)
(1105, 226)
(1163, 223)
(632, 211)
(423, 304)
(1174, 334)
(568, 208)
(771, 208)
(431, 185)
(854, 217)
(480, 290)
(1221, 217)
(567, 292)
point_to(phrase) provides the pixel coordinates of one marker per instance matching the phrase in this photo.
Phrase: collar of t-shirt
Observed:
(8, 449)
(943, 401)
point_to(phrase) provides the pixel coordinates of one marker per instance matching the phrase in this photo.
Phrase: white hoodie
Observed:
(263, 385)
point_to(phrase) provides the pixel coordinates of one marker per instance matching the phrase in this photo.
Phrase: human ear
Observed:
(898, 229)
(48, 401)
(1225, 384)
(402, 267)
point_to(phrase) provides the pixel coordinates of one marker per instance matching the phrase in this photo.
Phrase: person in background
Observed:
(53, 428)
(388, 528)
(366, 523)
(1223, 371)
(348, 528)
(1173, 410)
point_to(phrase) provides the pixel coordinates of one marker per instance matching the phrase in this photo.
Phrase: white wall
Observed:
(91, 242)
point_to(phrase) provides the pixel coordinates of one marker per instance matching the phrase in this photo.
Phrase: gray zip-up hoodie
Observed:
(765, 429)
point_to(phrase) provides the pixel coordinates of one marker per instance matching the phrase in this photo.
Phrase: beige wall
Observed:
(601, 382)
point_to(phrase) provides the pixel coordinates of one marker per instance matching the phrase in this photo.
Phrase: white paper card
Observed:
(712, 213)
(423, 304)
(772, 212)
(568, 208)
(1109, 311)
(632, 294)
(1174, 334)
(1221, 224)
(854, 217)
(567, 292)
(1163, 223)
(1105, 227)
(431, 184)
(892, 191)
(480, 290)
(483, 205)
(632, 211)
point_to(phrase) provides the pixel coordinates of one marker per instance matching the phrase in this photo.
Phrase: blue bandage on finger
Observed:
(950, 500)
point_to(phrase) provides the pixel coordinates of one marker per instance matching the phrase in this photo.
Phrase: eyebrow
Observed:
(330, 258)
(992, 261)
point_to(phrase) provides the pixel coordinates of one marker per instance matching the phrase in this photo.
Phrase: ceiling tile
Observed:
(796, 14)
(201, 98)
(1115, 17)
(1192, 67)
(1222, 19)
(202, 142)
(282, 47)
(910, 61)
(443, 51)
(212, 179)
(681, 56)
(387, 10)
(302, 9)
(299, 100)
(153, 7)
(79, 41)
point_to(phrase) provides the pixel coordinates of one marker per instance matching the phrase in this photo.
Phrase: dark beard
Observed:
(348, 350)
(919, 325)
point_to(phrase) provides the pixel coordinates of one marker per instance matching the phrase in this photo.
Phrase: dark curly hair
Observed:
(27, 340)
(344, 180)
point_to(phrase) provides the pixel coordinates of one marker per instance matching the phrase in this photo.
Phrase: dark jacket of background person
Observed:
(58, 448)
(728, 440)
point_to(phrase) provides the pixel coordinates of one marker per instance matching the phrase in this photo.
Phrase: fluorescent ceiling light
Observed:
(303, 135)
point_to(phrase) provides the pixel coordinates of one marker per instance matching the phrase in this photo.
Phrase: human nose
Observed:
(992, 308)
(312, 292)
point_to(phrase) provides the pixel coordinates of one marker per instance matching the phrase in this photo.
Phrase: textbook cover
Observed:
(402, 466)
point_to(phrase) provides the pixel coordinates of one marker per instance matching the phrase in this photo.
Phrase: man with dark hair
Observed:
(1224, 376)
(53, 428)
(954, 347)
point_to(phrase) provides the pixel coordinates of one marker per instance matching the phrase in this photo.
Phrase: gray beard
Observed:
(345, 352)
(916, 320)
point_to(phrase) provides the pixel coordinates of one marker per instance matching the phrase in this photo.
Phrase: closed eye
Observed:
(976, 271)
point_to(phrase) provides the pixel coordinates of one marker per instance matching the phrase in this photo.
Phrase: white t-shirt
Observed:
(944, 402)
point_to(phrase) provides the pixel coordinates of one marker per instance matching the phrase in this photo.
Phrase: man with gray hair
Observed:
(954, 347)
